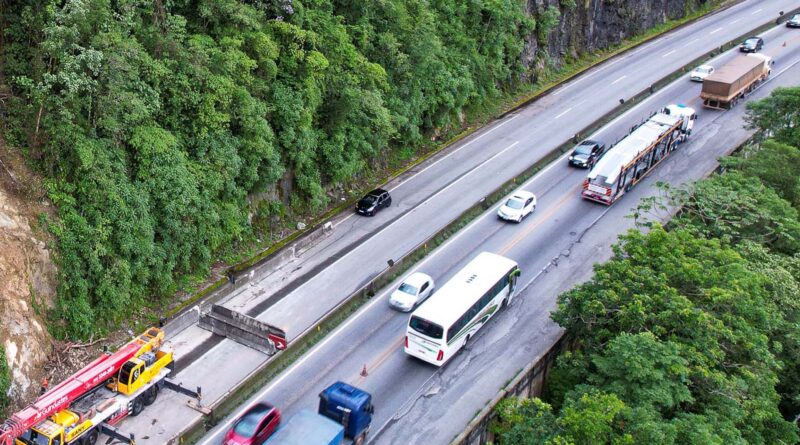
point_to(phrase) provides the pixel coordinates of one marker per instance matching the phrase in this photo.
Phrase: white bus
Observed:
(446, 321)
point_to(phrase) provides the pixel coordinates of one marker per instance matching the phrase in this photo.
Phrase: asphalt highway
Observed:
(417, 403)
(424, 200)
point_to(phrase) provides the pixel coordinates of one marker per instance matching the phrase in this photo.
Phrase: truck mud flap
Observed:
(242, 329)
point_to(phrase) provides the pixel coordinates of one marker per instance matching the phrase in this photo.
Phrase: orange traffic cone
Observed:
(364, 371)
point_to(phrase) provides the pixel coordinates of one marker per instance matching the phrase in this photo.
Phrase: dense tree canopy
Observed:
(157, 121)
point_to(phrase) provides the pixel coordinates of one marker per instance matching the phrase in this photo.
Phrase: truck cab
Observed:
(63, 428)
(350, 407)
(688, 114)
(46, 432)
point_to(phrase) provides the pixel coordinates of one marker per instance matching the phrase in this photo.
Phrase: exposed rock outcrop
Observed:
(593, 25)
(27, 281)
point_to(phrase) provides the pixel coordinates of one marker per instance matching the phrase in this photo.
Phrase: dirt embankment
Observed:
(27, 276)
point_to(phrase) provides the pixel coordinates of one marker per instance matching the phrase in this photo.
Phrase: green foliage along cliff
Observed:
(156, 120)
(5, 380)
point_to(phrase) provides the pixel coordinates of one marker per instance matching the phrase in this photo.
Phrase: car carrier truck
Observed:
(112, 387)
(344, 412)
(633, 157)
(723, 89)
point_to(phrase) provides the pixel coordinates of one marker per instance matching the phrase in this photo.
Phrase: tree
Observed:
(734, 207)
(593, 418)
(524, 422)
(775, 164)
(713, 317)
(777, 116)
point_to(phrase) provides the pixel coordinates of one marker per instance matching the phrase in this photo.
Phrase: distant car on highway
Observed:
(254, 426)
(700, 73)
(752, 45)
(412, 292)
(518, 206)
(373, 201)
(587, 153)
(794, 22)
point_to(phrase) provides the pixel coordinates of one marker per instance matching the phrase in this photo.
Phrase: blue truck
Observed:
(344, 412)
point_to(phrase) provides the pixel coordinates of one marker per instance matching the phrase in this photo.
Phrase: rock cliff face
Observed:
(27, 280)
(592, 25)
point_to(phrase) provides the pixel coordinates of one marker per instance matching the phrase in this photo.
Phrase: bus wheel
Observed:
(138, 406)
(466, 342)
(361, 439)
(151, 395)
(504, 303)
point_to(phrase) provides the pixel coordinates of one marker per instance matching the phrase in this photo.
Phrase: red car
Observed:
(254, 426)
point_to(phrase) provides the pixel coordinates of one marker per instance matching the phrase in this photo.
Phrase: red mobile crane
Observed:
(110, 388)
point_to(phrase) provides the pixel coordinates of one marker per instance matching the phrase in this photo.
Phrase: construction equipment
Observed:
(633, 157)
(723, 89)
(110, 388)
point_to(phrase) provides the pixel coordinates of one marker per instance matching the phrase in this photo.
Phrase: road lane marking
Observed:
(669, 53)
(456, 151)
(436, 162)
(345, 219)
(693, 41)
(563, 113)
(592, 72)
(224, 426)
(540, 219)
(456, 181)
(733, 21)
(381, 359)
(756, 11)
(624, 76)
(715, 31)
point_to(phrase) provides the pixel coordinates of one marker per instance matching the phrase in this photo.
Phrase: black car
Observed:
(587, 153)
(752, 45)
(373, 201)
(794, 22)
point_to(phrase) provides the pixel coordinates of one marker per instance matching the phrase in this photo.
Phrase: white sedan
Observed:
(518, 206)
(412, 292)
(701, 72)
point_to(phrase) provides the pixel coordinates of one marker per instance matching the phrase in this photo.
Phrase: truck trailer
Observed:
(723, 89)
(112, 387)
(633, 157)
(344, 412)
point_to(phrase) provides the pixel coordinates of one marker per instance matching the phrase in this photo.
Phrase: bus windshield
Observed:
(425, 327)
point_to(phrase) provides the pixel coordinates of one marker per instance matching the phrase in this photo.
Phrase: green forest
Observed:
(175, 134)
(691, 332)
(172, 131)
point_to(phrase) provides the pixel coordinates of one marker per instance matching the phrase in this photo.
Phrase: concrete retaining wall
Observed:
(529, 383)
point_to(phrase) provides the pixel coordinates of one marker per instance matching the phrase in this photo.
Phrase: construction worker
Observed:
(43, 388)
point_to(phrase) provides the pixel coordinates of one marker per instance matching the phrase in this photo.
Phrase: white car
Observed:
(415, 289)
(701, 72)
(518, 206)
